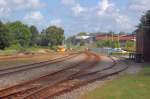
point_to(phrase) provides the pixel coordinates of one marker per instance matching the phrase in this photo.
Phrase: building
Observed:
(142, 46)
(122, 38)
(88, 39)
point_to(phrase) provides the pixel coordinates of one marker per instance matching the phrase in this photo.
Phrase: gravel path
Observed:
(15, 78)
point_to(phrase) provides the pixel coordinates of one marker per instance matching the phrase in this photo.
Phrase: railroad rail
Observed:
(67, 72)
(62, 81)
(20, 68)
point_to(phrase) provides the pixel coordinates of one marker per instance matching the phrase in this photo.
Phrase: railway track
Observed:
(36, 65)
(49, 79)
(79, 81)
(69, 78)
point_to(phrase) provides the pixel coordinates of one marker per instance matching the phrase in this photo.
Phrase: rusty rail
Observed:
(35, 65)
(69, 79)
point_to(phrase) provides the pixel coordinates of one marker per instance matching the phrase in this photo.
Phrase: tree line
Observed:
(144, 24)
(20, 34)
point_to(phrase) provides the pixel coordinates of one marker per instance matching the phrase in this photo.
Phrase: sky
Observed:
(76, 16)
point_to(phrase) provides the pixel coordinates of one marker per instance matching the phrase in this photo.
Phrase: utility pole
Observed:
(118, 40)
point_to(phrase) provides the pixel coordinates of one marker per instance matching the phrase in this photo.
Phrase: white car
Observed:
(119, 50)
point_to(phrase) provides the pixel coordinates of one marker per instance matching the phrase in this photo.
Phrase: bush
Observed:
(130, 46)
(107, 43)
(14, 47)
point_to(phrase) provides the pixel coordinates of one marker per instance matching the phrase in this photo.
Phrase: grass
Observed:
(13, 51)
(119, 53)
(133, 86)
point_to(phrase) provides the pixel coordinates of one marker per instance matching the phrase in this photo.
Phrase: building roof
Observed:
(116, 37)
(82, 37)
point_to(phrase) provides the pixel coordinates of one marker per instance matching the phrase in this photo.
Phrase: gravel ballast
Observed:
(79, 92)
(23, 76)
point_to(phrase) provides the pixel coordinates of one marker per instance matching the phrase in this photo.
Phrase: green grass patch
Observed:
(14, 50)
(8, 52)
(133, 86)
(119, 53)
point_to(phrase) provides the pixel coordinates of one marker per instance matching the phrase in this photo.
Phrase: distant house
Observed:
(104, 37)
(122, 38)
(86, 39)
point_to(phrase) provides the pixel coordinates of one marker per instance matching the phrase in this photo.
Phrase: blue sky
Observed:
(76, 15)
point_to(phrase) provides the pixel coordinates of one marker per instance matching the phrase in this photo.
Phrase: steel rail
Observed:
(6, 92)
(35, 65)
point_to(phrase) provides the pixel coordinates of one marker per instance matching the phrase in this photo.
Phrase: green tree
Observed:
(4, 36)
(129, 45)
(122, 33)
(71, 40)
(21, 33)
(107, 43)
(82, 34)
(54, 35)
(43, 39)
(145, 23)
(100, 43)
(35, 35)
(116, 44)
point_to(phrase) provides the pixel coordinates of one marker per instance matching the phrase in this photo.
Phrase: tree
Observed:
(34, 36)
(122, 33)
(111, 33)
(116, 44)
(21, 33)
(4, 36)
(82, 34)
(71, 40)
(107, 43)
(43, 39)
(54, 35)
(129, 45)
(145, 23)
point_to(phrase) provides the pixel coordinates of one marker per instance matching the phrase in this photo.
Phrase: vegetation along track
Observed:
(36, 65)
(60, 82)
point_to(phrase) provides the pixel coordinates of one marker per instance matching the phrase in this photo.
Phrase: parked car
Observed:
(118, 50)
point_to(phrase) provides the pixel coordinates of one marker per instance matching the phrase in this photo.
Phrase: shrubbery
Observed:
(19, 36)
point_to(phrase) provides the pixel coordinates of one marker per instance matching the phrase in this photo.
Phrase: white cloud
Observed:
(105, 16)
(139, 5)
(4, 11)
(78, 9)
(56, 22)
(36, 3)
(68, 2)
(19, 4)
(34, 17)
(3, 3)
(103, 6)
(29, 4)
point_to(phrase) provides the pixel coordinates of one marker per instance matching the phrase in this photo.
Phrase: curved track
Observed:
(61, 81)
(36, 65)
